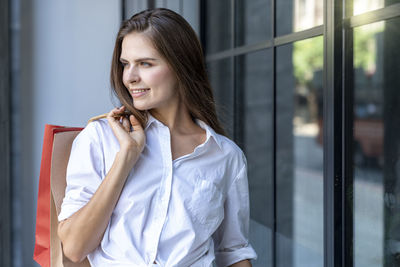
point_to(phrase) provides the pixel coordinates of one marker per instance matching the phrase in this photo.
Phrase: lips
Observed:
(139, 92)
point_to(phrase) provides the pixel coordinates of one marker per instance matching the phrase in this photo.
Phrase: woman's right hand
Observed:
(129, 133)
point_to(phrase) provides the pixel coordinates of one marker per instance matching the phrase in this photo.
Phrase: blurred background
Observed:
(307, 134)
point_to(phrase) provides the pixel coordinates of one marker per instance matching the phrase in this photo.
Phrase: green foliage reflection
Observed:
(308, 58)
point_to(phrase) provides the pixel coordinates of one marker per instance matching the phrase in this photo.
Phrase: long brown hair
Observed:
(176, 41)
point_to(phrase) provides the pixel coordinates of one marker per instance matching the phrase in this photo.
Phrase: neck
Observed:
(175, 117)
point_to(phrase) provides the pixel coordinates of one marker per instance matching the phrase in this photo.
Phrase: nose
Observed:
(132, 75)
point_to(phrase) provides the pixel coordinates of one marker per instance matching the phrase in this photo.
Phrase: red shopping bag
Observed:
(55, 154)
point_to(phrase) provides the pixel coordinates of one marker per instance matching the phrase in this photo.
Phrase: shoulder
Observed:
(233, 154)
(95, 131)
(228, 145)
(99, 126)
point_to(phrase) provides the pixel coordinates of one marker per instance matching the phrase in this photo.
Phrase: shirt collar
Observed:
(209, 131)
(150, 120)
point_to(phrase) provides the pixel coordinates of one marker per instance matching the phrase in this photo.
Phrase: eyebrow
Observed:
(139, 59)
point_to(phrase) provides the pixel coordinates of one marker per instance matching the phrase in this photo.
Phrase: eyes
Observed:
(145, 64)
(141, 64)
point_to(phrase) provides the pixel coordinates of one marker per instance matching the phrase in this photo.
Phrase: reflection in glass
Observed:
(299, 158)
(362, 6)
(376, 142)
(298, 15)
(253, 77)
(218, 25)
(220, 74)
(253, 21)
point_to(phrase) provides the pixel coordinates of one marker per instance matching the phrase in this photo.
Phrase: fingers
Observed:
(116, 117)
(135, 123)
(126, 124)
(116, 113)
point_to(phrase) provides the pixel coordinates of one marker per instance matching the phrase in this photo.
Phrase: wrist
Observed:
(129, 154)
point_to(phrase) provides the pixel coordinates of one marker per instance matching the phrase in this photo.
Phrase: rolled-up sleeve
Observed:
(231, 238)
(84, 171)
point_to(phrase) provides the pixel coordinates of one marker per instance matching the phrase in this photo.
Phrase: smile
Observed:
(139, 92)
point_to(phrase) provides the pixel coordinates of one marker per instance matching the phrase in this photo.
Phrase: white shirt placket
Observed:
(164, 192)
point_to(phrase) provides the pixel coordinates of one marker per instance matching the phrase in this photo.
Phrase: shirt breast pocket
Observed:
(206, 205)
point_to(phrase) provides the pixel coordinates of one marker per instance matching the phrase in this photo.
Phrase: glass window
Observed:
(376, 143)
(253, 79)
(218, 25)
(191, 12)
(221, 78)
(362, 6)
(298, 15)
(253, 21)
(159, 3)
(299, 158)
(133, 7)
(174, 5)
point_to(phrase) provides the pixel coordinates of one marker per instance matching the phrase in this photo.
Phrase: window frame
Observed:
(337, 32)
(5, 136)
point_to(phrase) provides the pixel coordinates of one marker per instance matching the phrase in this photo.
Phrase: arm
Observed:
(232, 247)
(245, 263)
(83, 231)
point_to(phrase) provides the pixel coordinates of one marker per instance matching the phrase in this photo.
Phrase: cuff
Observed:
(67, 211)
(227, 258)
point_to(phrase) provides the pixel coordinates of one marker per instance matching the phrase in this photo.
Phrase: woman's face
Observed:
(146, 74)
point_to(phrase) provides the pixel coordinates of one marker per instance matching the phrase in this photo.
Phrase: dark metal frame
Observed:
(5, 137)
(347, 143)
(334, 249)
(277, 41)
(203, 18)
(151, 3)
(237, 132)
(123, 10)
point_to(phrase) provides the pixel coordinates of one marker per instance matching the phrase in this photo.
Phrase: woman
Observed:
(163, 186)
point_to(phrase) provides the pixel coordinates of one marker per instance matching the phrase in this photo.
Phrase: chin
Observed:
(141, 107)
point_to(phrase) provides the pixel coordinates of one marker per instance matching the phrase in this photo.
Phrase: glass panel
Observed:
(191, 12)
(174, 5)
(299, 158)
(255, 94)
(298, 15)
(218, 25)
(159, 3)
(376, 143)
(133, 7)
(221, 78)
(362, 6)
(253, 21)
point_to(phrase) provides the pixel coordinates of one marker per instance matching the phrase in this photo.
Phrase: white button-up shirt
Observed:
(184, 212)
